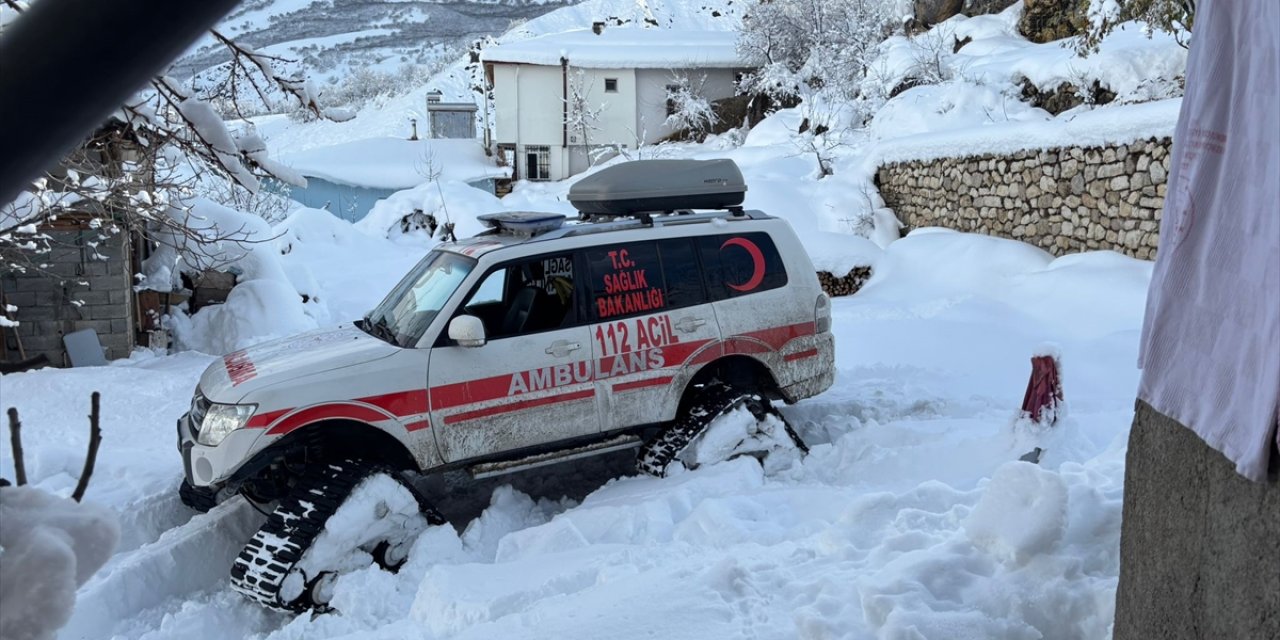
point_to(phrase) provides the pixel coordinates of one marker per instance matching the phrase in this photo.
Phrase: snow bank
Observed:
(446, 200)
(396, 163)
(953, 105)
(972, 104)
(1100, 127)
(49, 546)
(934, 264)
(288, 279)
(1022, 513)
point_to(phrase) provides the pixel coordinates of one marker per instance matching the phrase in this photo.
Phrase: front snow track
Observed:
(340, 517)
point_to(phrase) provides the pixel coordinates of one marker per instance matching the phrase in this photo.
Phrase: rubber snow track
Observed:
(260, 570)
(656, 455)
(283, 561)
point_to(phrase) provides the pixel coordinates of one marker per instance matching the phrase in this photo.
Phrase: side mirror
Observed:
(467, 331)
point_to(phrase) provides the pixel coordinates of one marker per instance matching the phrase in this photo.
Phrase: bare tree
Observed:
(138, 172)
(1171, 16)
(812, 44)
(691, 113)
(582, 116)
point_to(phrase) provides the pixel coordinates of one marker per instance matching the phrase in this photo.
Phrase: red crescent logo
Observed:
(757, 261)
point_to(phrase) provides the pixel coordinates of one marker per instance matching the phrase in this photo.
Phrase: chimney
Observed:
(597, 27)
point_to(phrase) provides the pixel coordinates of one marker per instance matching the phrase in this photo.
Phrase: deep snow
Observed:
(910, 518)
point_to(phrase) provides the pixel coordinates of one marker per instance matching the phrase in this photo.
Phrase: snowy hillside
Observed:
(391, 116)
(329, 38)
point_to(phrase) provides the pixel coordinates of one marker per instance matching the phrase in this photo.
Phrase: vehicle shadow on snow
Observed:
(461, 499)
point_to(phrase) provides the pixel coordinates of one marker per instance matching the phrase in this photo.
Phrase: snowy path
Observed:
(909, 518)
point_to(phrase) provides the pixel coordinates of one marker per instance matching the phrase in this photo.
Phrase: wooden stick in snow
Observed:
(15, 440)
(95, 439)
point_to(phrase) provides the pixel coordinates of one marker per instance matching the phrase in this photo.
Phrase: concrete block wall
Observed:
(1062, 200)
(83, 287)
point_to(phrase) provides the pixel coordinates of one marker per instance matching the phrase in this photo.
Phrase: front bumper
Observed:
(207, 466)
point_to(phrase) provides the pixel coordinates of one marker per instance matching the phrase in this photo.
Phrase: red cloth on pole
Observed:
(1044, 391)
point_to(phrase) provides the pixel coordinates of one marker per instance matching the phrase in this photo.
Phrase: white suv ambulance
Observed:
(538, 341)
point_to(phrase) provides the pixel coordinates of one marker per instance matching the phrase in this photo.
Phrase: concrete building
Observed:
(623, 74)
(450, 119)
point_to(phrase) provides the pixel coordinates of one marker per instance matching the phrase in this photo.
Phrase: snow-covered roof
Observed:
(395, 163)
(625, 48)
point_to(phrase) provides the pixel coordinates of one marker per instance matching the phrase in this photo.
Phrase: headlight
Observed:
(222, 419)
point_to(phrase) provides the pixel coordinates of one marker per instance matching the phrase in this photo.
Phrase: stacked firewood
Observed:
(844, 286)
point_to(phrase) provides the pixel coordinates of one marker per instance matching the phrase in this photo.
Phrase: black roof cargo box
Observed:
(648, 186)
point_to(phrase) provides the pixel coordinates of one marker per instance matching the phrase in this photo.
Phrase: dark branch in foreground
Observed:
(95, 439)
(15, 440)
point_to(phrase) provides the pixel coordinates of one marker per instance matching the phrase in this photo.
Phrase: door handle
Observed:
(689, 324)
(562, 348)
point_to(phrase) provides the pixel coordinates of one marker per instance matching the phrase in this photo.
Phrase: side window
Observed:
(740, 264)
(490, 289)
(626, 280)
(528, 296)
(681, 273)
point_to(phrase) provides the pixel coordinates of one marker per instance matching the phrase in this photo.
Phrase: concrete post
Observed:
(1200, 544)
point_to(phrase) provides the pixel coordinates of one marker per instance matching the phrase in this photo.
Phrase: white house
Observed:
(624, 74)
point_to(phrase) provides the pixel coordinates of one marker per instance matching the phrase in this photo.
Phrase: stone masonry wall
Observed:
(1063, 200)
(54, 304)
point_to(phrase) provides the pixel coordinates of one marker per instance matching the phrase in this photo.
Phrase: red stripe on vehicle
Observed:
(448, 396)
(415, 426)
(800, 355)
(400, 403)
(741, 345)
(640, 384)
(517, 406)
(777, 337)
(327, 412)
(264, 420)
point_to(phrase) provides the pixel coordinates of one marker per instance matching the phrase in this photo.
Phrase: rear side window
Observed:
(740, 264)
(626, 280)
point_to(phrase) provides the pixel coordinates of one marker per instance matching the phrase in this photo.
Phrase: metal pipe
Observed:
(66, 65)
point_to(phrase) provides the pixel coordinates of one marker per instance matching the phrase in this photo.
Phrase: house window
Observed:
(610, 85)
(671, 102)
(537, 162)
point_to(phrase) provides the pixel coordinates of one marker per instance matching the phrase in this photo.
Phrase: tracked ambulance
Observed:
(662, 308)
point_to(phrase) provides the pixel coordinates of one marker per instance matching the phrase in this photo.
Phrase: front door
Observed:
(531, 383)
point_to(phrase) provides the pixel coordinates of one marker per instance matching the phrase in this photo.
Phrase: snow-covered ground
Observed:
(911, 515)
(911, 518)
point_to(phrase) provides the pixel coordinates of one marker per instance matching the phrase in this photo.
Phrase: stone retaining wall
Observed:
(1063, 200)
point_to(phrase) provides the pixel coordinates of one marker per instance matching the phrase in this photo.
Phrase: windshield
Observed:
(405, 313)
